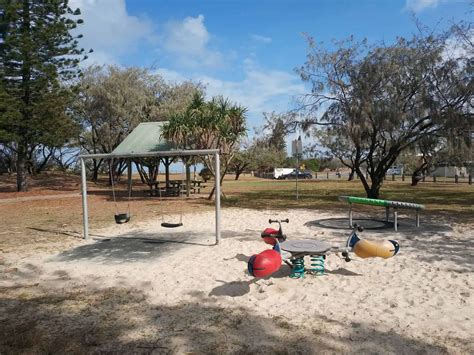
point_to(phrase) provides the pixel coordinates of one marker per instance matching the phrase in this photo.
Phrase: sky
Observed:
(245, 50)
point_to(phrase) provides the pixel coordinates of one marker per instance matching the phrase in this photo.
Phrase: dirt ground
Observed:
(49, 215)
(63, 314)
(48, 220)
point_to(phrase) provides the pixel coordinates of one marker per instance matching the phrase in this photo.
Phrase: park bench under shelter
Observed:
(395, 205)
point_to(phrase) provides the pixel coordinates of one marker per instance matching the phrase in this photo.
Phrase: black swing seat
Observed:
(121, 218)
(171, 225)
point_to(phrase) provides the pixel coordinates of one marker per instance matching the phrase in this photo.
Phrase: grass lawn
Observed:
(448, 199)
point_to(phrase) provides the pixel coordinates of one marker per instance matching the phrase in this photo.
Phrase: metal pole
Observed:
(350, 215)
(84, 199)
(217, 179)
(387, 213)
(395, 217)
(417, 218)
(297, 169)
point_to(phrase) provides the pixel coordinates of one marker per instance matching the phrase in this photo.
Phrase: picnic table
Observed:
(158, 188)
(174, 188)
(180, 185)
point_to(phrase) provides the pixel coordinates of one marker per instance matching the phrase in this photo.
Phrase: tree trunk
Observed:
(237, 174)
(374, 191)
(21, 169)
(351, 175)
(376, 184)
(95, 169)
(415, 179)
(418, 174)
(221, 179)
(46, 158)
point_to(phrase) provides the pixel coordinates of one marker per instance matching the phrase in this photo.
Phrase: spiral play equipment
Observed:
(297, 270)
(293, 252)
(317, 264)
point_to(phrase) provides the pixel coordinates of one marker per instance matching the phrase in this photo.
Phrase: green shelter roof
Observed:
(145, 138)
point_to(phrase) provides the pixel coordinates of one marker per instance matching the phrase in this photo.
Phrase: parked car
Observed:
(394, 170)
(292, 175)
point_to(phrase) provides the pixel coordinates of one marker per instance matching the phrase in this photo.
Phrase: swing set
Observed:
(122, 217)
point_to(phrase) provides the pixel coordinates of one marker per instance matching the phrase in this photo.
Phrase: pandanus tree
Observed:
(214, 124)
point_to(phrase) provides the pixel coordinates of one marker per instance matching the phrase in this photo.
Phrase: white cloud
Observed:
(189, 42)
(171, 75)
(458, 47)
(420, 5)
(261, 90)
(260, 38)
(109, 30)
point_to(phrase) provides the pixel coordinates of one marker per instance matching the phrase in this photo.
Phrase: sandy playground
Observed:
(140, 288)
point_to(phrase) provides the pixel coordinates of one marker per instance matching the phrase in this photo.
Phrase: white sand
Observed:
(419, 301)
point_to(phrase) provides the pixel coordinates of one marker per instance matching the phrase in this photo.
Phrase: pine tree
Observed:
(39, 57)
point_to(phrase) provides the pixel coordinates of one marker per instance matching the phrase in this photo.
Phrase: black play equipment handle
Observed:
(358, 228)
(278, 221)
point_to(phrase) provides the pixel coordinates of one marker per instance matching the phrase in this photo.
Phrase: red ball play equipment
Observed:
(269, 236)
(265, 263)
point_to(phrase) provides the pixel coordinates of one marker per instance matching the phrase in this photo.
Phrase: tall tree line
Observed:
(38, 55)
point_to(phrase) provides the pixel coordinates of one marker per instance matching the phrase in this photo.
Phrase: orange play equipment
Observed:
(364, 248)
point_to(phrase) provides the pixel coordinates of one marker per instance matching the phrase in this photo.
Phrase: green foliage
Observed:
(275, 124)
(113, 101)
(269, 159)
(37, 56)
(215, 124)
(312, 164)
(205, 174)
(381, 100)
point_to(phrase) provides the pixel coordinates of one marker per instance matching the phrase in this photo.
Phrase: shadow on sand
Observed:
(134, 246)
(431, 242)
(119, 321)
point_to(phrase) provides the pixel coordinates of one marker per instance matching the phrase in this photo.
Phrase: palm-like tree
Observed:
(215, 124)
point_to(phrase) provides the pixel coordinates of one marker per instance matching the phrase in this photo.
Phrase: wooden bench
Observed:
(395, 205)
(159, 189)
(193, 189)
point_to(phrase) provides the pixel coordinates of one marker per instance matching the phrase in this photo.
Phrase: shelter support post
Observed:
(217, 179)
(188, 178)
(84, 199)
(129, 176)
(417, 218)
(387, 213)
(167, 172)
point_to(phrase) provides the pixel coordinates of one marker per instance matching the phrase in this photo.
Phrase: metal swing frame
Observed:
(159, 154)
